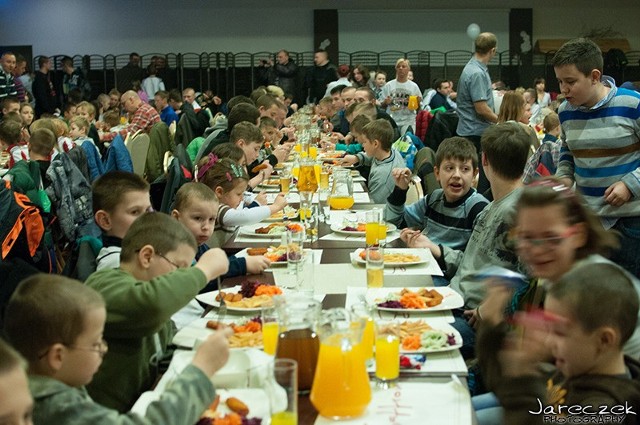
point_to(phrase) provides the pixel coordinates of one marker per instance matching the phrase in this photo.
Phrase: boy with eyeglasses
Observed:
(57, 324)
(154, 281)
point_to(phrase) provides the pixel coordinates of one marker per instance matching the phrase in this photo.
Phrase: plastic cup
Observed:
(285, 373)
(375, 267)
(270, 329)
(387, 345)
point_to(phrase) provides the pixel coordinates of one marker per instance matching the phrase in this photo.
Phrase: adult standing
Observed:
(7, 84)
(319, 76)
(475, 97)
(43, 88)
(282, 74)
(129, 73)
(396, 95)
(74, 79)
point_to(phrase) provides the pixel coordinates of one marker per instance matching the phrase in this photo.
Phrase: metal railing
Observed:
(228, 74)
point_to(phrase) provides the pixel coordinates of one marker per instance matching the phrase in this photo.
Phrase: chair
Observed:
(138, 147)
(415, 192)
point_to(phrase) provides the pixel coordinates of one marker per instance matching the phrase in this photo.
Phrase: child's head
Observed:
(47, 123)
(119, 197)
(505, 149)
(9, 133)
(551, 124)
(357, 126)
(594, 310)
(377, 137)
(380, 78)
(41, 144)
(79, 127)
(248, 137)
(196, 206)
(10, 104)
(156, 244)
(65, 322)
(227, 178)
(269, 130)
(26, 112)
(578, 66)
(16, 403)
(69, 110)
(268, 106)
(104, 101)
(365, 108)
(554, 228)
(512, 107)
(539, 84)
(231, 151)
(62, 128)
(456, 166)
(111, 118)
(242, 112)
(114, 99)
(325, 107)
(86, 110)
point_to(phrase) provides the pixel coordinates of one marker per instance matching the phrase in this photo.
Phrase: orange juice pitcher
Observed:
(341, 385)
(341, 197)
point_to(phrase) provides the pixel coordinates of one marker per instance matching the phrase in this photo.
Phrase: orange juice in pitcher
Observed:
(341, 385)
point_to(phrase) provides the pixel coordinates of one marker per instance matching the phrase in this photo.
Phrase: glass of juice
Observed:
(313, 151)
(284, 401)
(270, 329)
(382, 233)
(373, 219)
(324, 178)
(363, 311)
(387, 346)
(285, 182)
(375, 267)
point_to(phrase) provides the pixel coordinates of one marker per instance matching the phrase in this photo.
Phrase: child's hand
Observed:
(256, 264)
(526, 346)
(402, 177)
(494, 303)
(279, 203)
(281, 153)
(349, 160)
(213, 353)
(416, 239)
(617, 194)
(213, 263)
(261, 198)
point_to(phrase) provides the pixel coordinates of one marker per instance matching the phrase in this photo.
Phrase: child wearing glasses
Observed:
(589, 315)
(154, 281)
(57, 325)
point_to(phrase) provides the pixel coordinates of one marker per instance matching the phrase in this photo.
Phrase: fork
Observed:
(222, 309)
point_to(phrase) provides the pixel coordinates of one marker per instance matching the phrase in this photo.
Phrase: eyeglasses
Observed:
(167, 260)
(550, 242)
(99, 347)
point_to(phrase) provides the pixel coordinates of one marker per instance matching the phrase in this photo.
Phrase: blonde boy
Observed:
(376, 142)
(154, 281)
(65, 347)
(16, 403)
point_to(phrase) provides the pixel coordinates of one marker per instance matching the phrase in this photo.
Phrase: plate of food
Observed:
(247, 332)
(288, 213)
(331, 156)
(276, 254)
(394, 257)
(410, 300)
(238, 406)
(417, 336)
(249, 297)
(358, 230)
(270, 183)
(272, 230)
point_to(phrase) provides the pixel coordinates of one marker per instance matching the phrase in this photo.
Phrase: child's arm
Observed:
(233, 217)
(566, 165)
(182, 403)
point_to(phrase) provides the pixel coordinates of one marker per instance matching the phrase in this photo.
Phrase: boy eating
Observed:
(65, 347)
(154, 281)
(376, 139)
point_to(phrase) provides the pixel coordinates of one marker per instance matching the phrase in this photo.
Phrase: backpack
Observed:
(177, 175)
(21, 229)
(408, 145)
(70, 194)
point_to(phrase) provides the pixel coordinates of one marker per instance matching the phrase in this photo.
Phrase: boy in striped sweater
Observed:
(601, 143)
(448, 213)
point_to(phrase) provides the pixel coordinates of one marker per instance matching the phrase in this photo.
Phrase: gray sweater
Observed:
(381, 182)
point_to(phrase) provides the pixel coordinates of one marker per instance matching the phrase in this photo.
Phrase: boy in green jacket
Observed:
(154, 281)
(57, 324)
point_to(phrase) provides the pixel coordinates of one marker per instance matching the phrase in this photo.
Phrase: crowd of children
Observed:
(91, 349)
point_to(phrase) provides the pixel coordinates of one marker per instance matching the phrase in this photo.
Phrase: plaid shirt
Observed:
(143, 119)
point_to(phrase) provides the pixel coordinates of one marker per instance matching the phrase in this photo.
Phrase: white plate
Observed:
(338, 229)
(198, 331)
(251, 231)
(294, 214)
(421, 253)
(209, 298)
(451, 299)
(447, 329)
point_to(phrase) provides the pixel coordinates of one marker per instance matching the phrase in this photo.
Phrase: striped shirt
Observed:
(7, 85)
(448, 223)
(601, 146)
